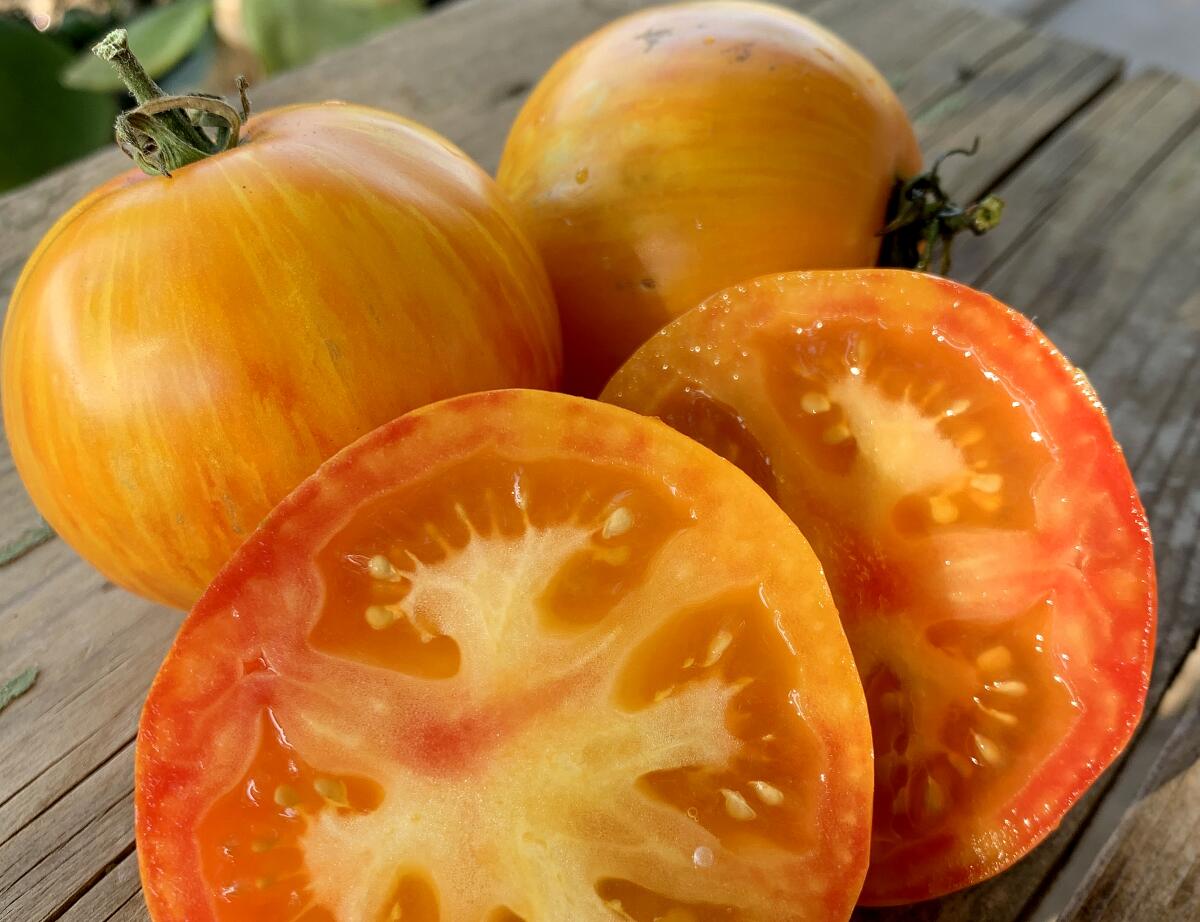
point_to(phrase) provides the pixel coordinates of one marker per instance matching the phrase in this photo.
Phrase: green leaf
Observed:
(160, 37)
(196, 68)
(44, 124)
(285, 33)
(15, 687)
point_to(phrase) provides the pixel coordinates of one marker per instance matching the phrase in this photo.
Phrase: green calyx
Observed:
(165, 132)
(923, 220)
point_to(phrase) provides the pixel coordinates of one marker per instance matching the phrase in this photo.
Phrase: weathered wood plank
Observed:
(1083, 171)
(133, 911)
(1150, 870)
(97, 649)
(111, 895)
(1011, 105)
(59, 855)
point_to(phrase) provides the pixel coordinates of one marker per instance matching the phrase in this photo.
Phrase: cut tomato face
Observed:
(979, 529)
(515, 657)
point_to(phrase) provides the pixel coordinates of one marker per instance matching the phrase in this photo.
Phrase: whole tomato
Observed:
(685, 148)
(180, 352)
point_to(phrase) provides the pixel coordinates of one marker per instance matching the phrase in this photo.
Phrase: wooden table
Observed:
(1100, 244)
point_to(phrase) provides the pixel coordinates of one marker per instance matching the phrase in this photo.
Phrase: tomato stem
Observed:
(921, 216)
(159, 135)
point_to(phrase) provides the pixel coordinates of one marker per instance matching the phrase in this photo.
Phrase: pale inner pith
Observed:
(899, 440)
(573, 759)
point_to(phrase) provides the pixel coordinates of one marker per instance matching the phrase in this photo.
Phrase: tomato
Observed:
(179, 353)
(687, 147)
(515, 656)
(978, 526)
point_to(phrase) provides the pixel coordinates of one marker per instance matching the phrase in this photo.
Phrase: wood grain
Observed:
(1094, 244)
(1150, 869)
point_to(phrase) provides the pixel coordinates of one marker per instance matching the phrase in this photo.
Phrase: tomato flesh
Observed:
(517, 656)
(978, 526)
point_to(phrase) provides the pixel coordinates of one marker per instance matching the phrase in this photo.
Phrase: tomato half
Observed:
(515, 656)
(978, 525)
(689, 146)
(180, 353)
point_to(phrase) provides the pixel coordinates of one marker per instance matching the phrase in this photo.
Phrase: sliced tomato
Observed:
(516, 657)
(978, 525)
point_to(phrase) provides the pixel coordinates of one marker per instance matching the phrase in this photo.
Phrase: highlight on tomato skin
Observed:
(979, 528)
(687, 146)
(515, 656)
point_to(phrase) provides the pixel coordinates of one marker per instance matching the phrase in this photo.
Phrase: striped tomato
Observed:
(180, 352)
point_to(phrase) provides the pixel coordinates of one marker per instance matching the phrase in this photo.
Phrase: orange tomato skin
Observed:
(685, 148)
(179, 353)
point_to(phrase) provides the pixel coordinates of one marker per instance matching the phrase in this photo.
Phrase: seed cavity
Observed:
(814, 403)
(286, 796)
(972, 436)
(614, 556)
(717, 647)
(988, 749)
(332, 790)
(995, 659)
(258, 846)
(987, 483)
(619, 522)
(767, 793)
(736, 806)
(1011, 687)
(836, 434)
(943, 510)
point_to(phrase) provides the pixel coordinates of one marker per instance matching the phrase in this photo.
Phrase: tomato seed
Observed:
(736, 806)
(619, 522)
(379, 617)
(994, 659)
(767, 793)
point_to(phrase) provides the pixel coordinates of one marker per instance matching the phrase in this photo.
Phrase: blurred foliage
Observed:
(161, 37)
(58, 101)
(44, 124)
(284, 33)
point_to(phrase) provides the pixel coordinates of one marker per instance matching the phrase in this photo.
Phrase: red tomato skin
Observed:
(179, 353)
(689, 146)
